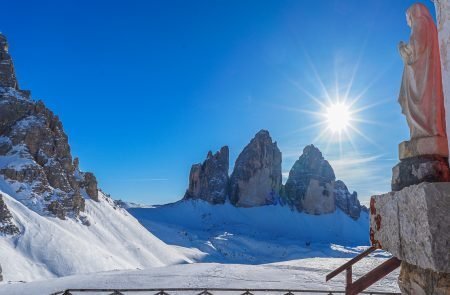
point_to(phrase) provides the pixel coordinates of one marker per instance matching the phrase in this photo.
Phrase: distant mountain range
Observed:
(256, 180)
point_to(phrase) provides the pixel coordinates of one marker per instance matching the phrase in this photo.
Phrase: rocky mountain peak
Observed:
(256, 178)
(209, 180)
(36, 164)
(310, 184)
(312, 187)
(7, 73)
(312, 162)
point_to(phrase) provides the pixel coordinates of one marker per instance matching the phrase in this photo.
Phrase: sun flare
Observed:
(338, 117)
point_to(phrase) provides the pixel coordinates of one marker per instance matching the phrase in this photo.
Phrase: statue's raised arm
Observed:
(421, 96)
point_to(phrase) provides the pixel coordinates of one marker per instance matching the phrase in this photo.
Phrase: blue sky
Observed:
(145, 88)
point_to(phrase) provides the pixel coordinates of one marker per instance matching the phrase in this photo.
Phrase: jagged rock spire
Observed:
(209, 181)
(7, 73)
(256, 178)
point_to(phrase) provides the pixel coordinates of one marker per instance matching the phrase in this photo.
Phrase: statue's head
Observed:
(417, 10)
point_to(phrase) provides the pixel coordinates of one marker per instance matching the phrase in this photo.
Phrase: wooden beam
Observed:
(373, 276)
(349, 263)
(348, 274)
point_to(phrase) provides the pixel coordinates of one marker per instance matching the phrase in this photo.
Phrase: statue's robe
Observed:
(421, 96)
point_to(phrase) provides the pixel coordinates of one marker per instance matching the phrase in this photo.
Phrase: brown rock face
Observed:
(346, 201)
(90, 185)
(36, 162)
(7, 225)
(7, 73)
(209, 181)
(256, 178)
(310, 185)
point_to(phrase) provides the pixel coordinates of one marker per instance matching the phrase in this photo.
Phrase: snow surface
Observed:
(48, 247)
(266, 234)
(263, 247)
(297, 274)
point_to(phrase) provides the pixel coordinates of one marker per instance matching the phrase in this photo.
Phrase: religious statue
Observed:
(424, 157)
(421, 96)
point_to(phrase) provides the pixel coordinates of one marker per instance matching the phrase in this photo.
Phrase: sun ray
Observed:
(305, 128)
(320, 135)
(319, 80)
(369, 122)
(366, 107)
(298, 86)
(364, 136)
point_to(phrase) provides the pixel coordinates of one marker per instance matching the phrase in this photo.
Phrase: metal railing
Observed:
(356, 287)
(209, 291)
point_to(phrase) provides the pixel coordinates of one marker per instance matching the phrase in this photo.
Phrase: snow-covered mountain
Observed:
(53, 219)
(49, 247)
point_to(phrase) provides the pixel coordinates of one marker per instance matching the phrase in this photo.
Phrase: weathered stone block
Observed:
(420, 169)
(414, 225)
(433, 145)
(417, 281)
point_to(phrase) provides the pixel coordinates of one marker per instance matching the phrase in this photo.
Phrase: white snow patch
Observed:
(49, 247)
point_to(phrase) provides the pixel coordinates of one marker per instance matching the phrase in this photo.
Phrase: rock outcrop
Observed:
(310, 185)
(346, 201)
(7, 73)
(87, 181)
(209, 181)
(256, 178)
(35, 159)
(7, 226)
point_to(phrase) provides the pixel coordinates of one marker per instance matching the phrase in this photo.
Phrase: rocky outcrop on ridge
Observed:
(35, 160)
(208, 181)
(7, 226)
(310, 185)
(86, 180)
(7, 73)
(346, 201)
(256, 178)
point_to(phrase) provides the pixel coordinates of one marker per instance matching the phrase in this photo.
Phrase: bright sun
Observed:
(338, 117)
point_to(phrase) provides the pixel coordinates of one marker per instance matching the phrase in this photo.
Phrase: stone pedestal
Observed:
(421, 160)
(433, 145)
(420, 169)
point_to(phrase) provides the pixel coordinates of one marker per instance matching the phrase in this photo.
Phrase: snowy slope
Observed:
(49, 247)
(297, 274)
(227, 234)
